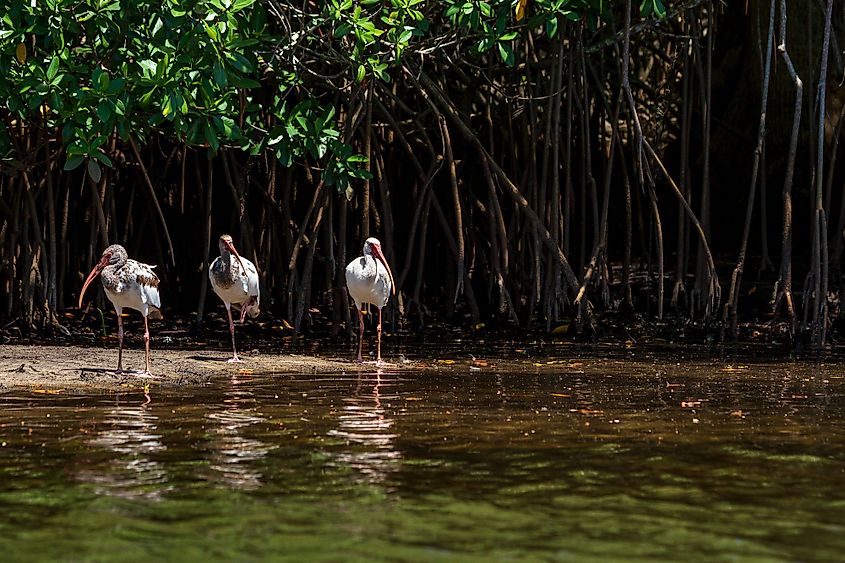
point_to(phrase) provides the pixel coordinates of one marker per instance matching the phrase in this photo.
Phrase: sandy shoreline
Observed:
(73, 367)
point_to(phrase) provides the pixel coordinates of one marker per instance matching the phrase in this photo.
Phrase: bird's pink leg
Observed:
(360, 335)
(146, 346)
(120, 343)
(234, 358)
(378, 345)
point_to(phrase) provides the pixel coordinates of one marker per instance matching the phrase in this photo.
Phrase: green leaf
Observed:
(166, 106)
(104, 111)
(551, 26)
(506, 53)
(73, 161)
(241, 4)
(342, 30)
(211, 137)
(102, 158)
(211, 31)
(76, 148)
(53, 69)
(220, 76)
(116, 86)
(94, 170)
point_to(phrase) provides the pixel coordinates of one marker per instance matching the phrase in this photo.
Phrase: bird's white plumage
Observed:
(127, 283)
(235, 281)
(368, 281)
(133, 285)
(239, 286)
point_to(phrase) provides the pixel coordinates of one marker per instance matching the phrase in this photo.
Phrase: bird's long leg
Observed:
(234, 358)
(378, 345)
(120, 342)
(360, 334)
(146, 346)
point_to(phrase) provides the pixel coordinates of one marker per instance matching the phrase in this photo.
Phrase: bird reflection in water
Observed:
(231, 452)
(131, 435)
(368, 430)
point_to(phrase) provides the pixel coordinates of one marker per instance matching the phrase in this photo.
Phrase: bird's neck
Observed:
(110, 276)
(229, 263)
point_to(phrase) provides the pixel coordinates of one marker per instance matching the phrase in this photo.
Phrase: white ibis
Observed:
(236, 283)
(368, 282)
(128, 284)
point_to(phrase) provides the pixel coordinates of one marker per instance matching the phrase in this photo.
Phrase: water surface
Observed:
(578, 459)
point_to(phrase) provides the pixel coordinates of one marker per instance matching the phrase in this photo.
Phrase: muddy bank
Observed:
(71, 367)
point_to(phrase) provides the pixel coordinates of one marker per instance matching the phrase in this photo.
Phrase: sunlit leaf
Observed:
(520, 9)
(53, 69)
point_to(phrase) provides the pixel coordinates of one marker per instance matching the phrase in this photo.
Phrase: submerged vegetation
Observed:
(523, 161)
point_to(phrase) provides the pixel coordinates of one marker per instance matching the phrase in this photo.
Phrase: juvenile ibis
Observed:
(235, 281)
(369, 280)
(127, 284)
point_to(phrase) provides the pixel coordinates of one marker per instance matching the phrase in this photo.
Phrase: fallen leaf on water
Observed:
(413, 398)
(575, 365)
(245, 371)
(536, 364)
(48, 391)
(447, 362)
(629, 343)
(590, 412)
(689, 404)
(734, 368)
(738, 413)
(480, 363)
(560, 395)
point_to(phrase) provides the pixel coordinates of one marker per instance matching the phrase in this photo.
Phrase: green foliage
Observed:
(187, 70)
(495, 24)
(201, 72)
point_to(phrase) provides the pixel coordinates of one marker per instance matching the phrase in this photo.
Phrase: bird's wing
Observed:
(252, 280)
(147, 281)
(212, 275)
(211, 269)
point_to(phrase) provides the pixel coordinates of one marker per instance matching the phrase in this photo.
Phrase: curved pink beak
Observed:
(376, 250)
(93, 275)
(231, 247)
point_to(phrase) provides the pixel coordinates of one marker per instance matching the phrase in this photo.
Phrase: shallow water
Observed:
(579, 459)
